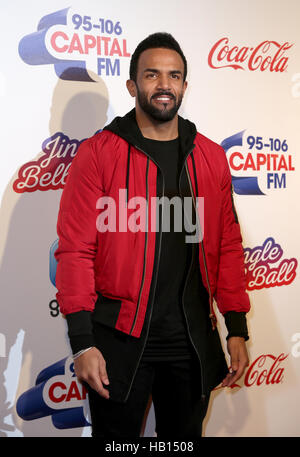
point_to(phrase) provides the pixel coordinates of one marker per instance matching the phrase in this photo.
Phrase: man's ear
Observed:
(131, 87)
(185, 86)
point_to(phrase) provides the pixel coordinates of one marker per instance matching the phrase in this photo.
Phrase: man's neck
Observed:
(155, 130)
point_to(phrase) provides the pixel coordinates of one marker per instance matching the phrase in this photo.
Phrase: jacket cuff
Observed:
(236, 324)
(80, 330)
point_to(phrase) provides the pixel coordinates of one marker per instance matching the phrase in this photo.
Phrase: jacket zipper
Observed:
(159, 252)
(212, 314)
(145, 252)
(203, 396)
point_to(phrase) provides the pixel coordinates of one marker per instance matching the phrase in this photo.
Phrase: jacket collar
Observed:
(127, 128)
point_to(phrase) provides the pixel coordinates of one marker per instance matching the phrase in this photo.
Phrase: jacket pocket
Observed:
(106, 310)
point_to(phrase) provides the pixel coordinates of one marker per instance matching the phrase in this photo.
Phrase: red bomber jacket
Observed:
(118, 263)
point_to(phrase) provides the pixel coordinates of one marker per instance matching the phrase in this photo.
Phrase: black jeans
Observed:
(176, 394)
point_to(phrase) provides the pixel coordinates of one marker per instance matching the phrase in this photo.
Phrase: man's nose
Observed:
(164, 82)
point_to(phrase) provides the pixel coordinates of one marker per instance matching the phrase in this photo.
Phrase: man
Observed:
(139, 302)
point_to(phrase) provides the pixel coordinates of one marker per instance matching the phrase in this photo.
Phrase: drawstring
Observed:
(127, 175)
(195, 175)
(196, 184)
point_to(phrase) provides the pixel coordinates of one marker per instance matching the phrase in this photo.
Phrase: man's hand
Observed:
(90, 367)
(239, 360)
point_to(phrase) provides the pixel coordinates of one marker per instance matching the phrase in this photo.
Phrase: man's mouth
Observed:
(163, 98)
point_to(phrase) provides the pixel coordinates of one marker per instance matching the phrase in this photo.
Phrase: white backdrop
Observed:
(62, 78)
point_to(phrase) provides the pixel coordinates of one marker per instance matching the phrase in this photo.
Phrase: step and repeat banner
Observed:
(62, 78)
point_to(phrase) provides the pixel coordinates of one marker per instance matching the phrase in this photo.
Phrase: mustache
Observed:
(162, 93)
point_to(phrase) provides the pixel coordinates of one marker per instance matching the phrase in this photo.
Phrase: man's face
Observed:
(159, 86)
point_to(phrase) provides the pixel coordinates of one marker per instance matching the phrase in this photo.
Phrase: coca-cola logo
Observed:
(266, 268)
(266, 369)
(267, 55)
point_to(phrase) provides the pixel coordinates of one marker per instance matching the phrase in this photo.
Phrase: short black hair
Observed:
(156, 40)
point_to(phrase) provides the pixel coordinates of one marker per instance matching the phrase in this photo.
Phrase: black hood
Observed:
(127, 128)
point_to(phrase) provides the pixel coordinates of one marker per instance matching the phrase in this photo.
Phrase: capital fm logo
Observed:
(258, 164)
(57, 393)
(75, 42)
(266, 56)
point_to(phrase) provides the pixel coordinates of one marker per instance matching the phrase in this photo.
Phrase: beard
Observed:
(163, 114)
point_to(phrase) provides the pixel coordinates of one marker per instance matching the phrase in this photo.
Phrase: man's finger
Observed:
(235, 375)
(96, 384)
(103, 373)
(226, 380)
(234, 364)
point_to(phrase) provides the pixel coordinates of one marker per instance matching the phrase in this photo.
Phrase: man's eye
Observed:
(151, 75)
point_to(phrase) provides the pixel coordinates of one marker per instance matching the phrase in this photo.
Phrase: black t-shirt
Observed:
(168, 338)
